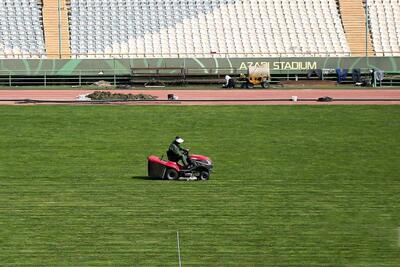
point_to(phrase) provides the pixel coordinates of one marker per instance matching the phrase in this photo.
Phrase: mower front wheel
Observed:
(204, 175)
(171, 174)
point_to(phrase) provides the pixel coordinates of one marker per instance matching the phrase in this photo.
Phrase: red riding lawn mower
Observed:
(169, 170)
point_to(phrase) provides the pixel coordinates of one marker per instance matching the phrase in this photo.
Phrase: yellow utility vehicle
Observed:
(257, 75)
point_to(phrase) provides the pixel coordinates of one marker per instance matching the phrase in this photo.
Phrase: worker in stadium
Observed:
(177, 153)
(245, 81)
(230, 82)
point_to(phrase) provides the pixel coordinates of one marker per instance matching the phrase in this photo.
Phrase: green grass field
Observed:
(293, 186)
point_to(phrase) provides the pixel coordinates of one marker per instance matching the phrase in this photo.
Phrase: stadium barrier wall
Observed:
(98, 67)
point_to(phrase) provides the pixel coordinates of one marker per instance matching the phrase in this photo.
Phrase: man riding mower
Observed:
(176, 153)
(195, 167)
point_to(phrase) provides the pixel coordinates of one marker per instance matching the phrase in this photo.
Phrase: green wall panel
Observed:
(31, 67)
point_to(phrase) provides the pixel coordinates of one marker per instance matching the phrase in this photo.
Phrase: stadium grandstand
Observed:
(117, 39)
(198, 28)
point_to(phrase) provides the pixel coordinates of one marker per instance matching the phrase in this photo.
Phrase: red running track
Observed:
(225, 97)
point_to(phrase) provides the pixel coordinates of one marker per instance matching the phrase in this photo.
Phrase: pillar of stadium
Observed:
(56, 28)
(355, 27)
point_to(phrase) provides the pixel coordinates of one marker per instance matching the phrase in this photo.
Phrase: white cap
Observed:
(179, 140)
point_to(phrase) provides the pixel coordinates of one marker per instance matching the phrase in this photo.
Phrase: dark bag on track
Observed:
(325, 99)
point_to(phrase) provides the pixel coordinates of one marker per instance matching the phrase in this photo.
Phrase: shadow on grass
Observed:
(145, 178)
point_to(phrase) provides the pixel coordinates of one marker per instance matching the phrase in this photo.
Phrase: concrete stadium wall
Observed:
(90, 67)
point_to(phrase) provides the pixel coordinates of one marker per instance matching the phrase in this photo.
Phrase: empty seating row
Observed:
(197, 28)
(384, 17)
(21, 29)
(189, 28)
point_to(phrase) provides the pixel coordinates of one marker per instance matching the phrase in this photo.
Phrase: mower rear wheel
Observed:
(204, 175)
(171, 174)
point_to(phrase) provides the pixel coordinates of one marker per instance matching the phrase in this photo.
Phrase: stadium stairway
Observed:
(51, 32)
(353, 18)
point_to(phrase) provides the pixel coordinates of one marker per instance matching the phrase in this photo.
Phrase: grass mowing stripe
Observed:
(178, 248)
(292, 186)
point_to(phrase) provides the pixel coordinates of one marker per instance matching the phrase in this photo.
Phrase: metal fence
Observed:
(187, 76)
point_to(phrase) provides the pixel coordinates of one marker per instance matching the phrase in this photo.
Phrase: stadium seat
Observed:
(206, 28)
(21, 29)
(197, 28)
(384, 17)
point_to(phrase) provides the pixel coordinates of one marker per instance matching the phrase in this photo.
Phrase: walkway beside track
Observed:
(353, 19)
(51, 29)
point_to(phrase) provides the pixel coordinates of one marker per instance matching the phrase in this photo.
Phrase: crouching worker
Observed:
(176, 153)
(230, 82)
